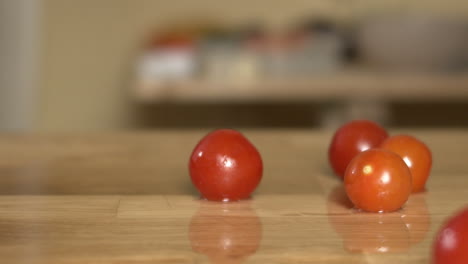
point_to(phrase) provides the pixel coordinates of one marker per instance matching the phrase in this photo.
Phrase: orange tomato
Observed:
(416, 155)
(378, 180)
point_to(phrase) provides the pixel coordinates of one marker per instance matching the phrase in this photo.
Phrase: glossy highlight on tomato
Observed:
(351, 139)
(225, 166)
(378, 180)
(451, 243)
(416, 155)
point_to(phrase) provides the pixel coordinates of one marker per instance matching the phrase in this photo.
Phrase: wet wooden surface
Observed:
(127, 198)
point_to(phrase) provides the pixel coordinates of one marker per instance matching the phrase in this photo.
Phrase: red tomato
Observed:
(225, 166)
(415, 154)
(451, 243)
(350, 140)
(378, 180)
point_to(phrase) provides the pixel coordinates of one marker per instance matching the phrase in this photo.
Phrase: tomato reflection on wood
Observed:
(225, 166)
(225, 232)
(351, 139)
(378, 233)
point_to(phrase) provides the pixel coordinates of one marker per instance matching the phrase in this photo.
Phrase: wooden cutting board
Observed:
(127, 198)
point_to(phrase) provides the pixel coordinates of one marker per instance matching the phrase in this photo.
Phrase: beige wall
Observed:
(18, 48)
(89, 46)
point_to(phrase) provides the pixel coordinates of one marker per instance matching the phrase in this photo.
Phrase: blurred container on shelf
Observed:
(312, 48)
(217, 49)
(239, 55)
(322, 49)
(248, 67)
(229, 56)
(170, 56)
(279, 54)
(413, 43)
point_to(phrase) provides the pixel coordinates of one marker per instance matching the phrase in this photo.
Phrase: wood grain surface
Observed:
(127, 198)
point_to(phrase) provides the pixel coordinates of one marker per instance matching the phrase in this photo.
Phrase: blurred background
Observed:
(103, 65)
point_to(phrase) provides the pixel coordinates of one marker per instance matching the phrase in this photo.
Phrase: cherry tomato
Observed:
(378, 180)
(225, 166)
(415, 154)
(351, 139)
(451, 243)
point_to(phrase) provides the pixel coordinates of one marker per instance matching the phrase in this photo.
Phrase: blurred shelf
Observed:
(346, 86)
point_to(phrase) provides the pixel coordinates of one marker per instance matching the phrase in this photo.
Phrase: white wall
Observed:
(18, 63)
